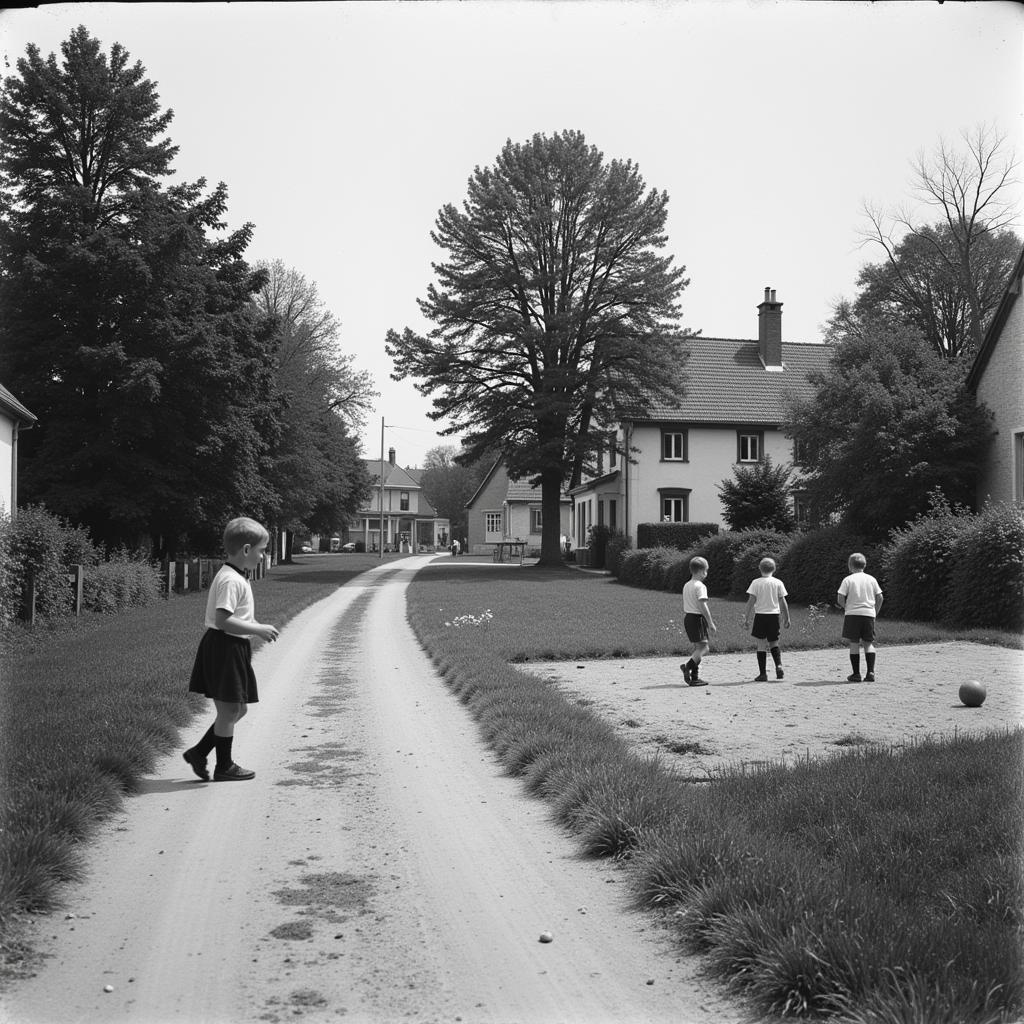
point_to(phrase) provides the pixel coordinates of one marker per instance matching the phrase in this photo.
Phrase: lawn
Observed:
(834, 889)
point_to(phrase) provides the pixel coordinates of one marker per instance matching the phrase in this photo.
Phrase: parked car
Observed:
(350, 546)
(306, 549)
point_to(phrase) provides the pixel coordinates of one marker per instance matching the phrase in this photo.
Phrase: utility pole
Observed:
(381, 489)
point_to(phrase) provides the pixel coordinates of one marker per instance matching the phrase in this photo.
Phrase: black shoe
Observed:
(762, 678)
(692, 680)
(685, 669)
(779, 674)
(854, 678)
(869, 677)
(236, 773)
(198, 764)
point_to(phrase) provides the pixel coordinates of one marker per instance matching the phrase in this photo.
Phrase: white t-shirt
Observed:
(766, 591)
(694, 592)
(861, 591)
(231, 591)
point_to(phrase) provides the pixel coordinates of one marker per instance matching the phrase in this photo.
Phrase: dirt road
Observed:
(379, 868)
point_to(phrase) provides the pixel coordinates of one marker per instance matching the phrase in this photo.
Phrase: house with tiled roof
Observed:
(997, 379)
(504, 509)
(14, 417)
(730, 412)
(398, 510)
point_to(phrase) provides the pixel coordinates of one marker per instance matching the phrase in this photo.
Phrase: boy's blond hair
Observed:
(767, 565)
(698, 563)
(857, 560)
(242, 531)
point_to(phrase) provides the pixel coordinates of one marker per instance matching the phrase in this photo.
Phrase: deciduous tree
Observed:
(945, 277)
(550, 311)
(889, 422)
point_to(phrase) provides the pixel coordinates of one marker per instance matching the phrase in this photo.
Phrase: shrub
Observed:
(746, 561)
(681, 536)
(36, 547)
(114, 586)
(988, 568)
(758, 497)
(918, 563)
(816, 562)
(598, 534)
(618, 544)
(721, 550)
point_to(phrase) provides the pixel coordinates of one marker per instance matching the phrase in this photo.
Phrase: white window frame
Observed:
(677, 440)
(743, 440)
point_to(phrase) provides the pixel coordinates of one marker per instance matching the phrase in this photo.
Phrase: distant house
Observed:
(410, 522)
(997, 379)
(731, 407)
(13, 418)
(506, 509)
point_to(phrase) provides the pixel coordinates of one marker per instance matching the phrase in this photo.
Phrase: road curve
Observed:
(379, 868)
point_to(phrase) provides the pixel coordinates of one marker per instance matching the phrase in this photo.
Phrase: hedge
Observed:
(681, 536)
(746, 562)
(721, 551)
(815, 563)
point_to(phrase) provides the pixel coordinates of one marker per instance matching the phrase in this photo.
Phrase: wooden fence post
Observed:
(195, 581)
(76, 576)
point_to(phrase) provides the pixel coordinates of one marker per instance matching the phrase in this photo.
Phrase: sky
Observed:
(341, 129)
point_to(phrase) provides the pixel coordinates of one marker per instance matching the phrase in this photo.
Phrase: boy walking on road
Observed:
(860, 597)
(767, 600)
(697, 620)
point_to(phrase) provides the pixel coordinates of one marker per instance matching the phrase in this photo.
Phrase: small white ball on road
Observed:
(546, 937)
(108, 988)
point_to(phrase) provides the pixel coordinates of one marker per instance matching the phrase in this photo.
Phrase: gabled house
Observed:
(997, 379)
(13, 418)
(506, 509)
(410, 522)
(730, 412)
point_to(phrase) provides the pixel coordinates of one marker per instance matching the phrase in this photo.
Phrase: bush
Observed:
(598, 544)
(816, 562)
(988, 569)
(721, 550)
(35, 549)
(114, 586)
(618, 544)
(746, 562)
(681, 536)
(917, 564)
(758, 497)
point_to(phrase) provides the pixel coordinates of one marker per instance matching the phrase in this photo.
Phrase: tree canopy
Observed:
(890, 422)
(132, 328)
(946, 277)
(550, 311)
(448, 484)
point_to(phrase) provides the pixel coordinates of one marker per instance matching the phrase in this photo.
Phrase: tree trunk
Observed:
(551, 518)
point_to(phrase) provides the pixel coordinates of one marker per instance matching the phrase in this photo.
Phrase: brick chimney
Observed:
(391, 456)
(769, 331)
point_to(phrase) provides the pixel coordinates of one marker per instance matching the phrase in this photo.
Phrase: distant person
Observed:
(697, 620)
(223, 666)
(860, 597)
(767, 600)
(455, 547)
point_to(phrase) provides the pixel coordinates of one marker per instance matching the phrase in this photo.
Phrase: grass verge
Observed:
(876, 887)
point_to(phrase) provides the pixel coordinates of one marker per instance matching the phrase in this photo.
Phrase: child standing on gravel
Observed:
(223, 664)
(697, 620)
(767, 600)
(860, 597)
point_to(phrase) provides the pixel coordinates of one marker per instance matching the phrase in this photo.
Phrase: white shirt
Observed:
(694, 592)
(231, 591)
(861, 591)
(766, 591)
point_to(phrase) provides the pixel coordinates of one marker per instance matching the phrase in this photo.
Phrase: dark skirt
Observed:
(223, 668)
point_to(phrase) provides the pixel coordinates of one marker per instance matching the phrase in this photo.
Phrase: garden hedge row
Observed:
(960, 567)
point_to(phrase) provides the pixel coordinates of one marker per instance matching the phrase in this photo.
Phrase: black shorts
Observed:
(766, 626)
(696, 627)
(223, 668)
(859, 628)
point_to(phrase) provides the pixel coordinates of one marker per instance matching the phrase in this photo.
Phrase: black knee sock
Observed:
(207, 743)
(762, 661)
(869, 656)
(855, 662)
(223, 752)
(777, 655)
